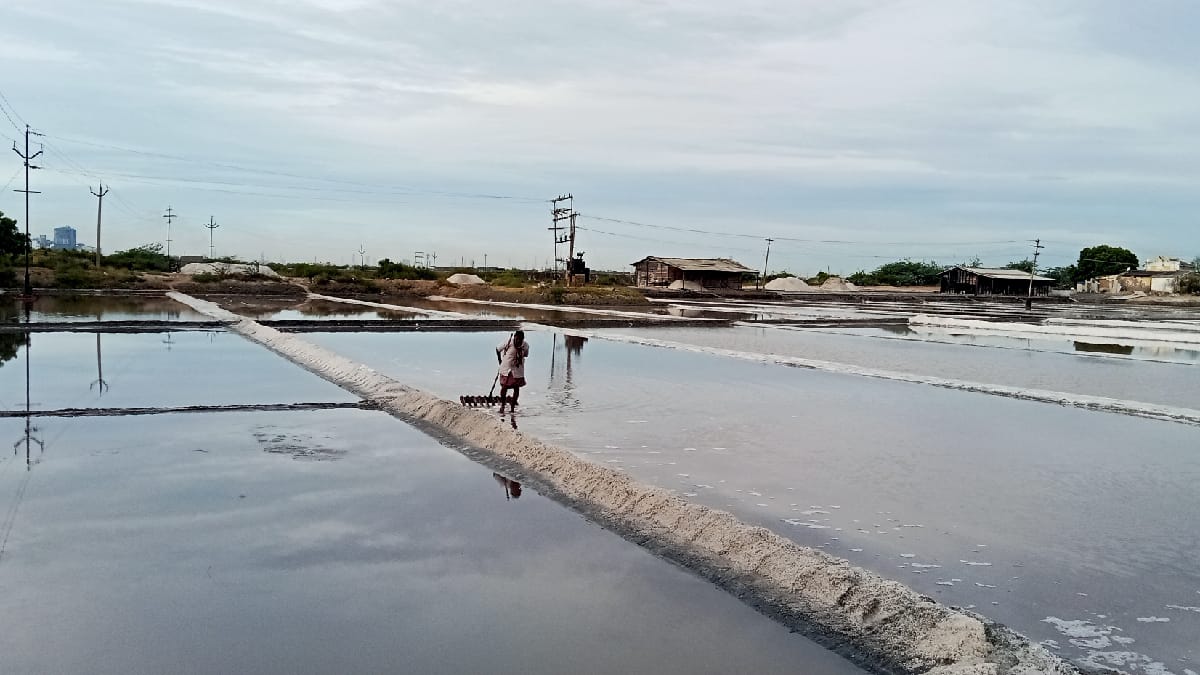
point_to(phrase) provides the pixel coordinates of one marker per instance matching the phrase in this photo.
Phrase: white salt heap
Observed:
(786, 284)
(461, 279)
(838, 284)
(804, 588)
(229, 269)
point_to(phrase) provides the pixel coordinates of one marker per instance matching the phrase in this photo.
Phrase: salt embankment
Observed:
(573, 309)
(888, 627)
(1068, 329)
(382, 305)
(1085, 401)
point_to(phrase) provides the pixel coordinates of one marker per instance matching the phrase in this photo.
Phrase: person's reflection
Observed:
(512, 489)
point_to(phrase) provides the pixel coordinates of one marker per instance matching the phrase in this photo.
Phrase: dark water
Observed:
(332, 542)
(1021, 510)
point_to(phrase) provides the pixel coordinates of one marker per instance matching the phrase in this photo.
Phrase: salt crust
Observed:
(895, 628)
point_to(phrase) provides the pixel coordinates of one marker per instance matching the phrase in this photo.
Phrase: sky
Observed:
(853, 133)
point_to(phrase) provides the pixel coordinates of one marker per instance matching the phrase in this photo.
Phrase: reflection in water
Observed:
(512, 489)
(1103, 348)
(562, 370)
(99, 383)
(28, 440)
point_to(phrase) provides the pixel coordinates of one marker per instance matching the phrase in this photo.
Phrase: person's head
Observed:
(518, 337)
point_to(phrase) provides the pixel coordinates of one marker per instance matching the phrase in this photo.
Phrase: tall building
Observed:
(64, 238)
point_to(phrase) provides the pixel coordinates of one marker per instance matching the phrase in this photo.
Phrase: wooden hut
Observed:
(708, 273)
(990, 281)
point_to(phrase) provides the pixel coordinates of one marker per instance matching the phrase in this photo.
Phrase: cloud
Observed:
(877, 117)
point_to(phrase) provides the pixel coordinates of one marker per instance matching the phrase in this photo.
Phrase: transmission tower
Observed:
(26, 157)
(170, 215)
(99, 207)
(211, 226)
(559, 214)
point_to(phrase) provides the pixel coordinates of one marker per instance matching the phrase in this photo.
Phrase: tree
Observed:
(1024, 265)
(148, 258)
(900, 273)
(12, 241)
(1064, 277)
(1100, 260)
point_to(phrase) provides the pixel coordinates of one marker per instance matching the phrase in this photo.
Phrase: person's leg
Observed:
(503, 396)
(516, 395)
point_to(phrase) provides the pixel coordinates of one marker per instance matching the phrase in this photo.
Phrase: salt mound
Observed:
(838, 284)
(465, 280)
(786, 284)
(680, 284)
(228, 269)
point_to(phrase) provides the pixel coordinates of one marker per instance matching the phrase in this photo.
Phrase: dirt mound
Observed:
(787, 284)
(461, 279)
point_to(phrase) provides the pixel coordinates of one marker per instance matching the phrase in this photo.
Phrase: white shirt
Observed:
(512, 360)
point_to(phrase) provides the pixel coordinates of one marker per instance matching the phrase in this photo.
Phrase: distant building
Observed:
(1158, 276)
(991, 281)
(41, 241)
(1164, 264)
(708, 273)
(64, 238)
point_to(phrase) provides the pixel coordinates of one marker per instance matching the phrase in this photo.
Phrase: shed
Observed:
(992, 281)
(706, 272)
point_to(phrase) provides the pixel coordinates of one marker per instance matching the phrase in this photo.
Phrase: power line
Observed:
(13, 109)
(795, 239)
(401, 189)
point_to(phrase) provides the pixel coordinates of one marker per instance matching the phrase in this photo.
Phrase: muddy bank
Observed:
(886, 625)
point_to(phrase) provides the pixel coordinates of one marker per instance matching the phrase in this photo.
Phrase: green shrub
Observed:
(8, 277)
(1189, 284)
(557, 294)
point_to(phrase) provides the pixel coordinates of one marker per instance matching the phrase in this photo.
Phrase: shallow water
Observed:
(1049, 363)
(1021, 510)
(97, 308)
(76, 370)
(335, 541)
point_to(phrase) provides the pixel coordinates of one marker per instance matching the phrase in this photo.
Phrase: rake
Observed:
(484, 401)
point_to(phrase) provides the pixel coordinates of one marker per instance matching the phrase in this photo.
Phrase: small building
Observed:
(991, 281)
(1164, 263)
(707, 273)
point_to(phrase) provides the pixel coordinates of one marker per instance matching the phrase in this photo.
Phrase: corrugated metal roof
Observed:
(996, 273)
(701, 264)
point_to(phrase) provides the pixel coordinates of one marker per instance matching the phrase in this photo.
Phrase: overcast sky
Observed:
(854, 132)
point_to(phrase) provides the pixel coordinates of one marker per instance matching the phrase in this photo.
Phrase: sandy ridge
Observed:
(889, 627)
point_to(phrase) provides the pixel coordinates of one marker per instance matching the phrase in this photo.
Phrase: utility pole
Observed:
(211, 226)
(27, 157)
(763, 280)
(558, 215)
(170, 215)
(1037, 249)
(99, 206)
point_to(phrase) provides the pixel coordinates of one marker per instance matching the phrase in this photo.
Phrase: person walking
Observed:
(511, 355)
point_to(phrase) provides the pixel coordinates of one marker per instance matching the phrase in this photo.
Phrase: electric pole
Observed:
(1037, 249)
(211, 226)
(558, 215)
(27, 157)
(170, 215)
(99, 206)
(763, 280)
